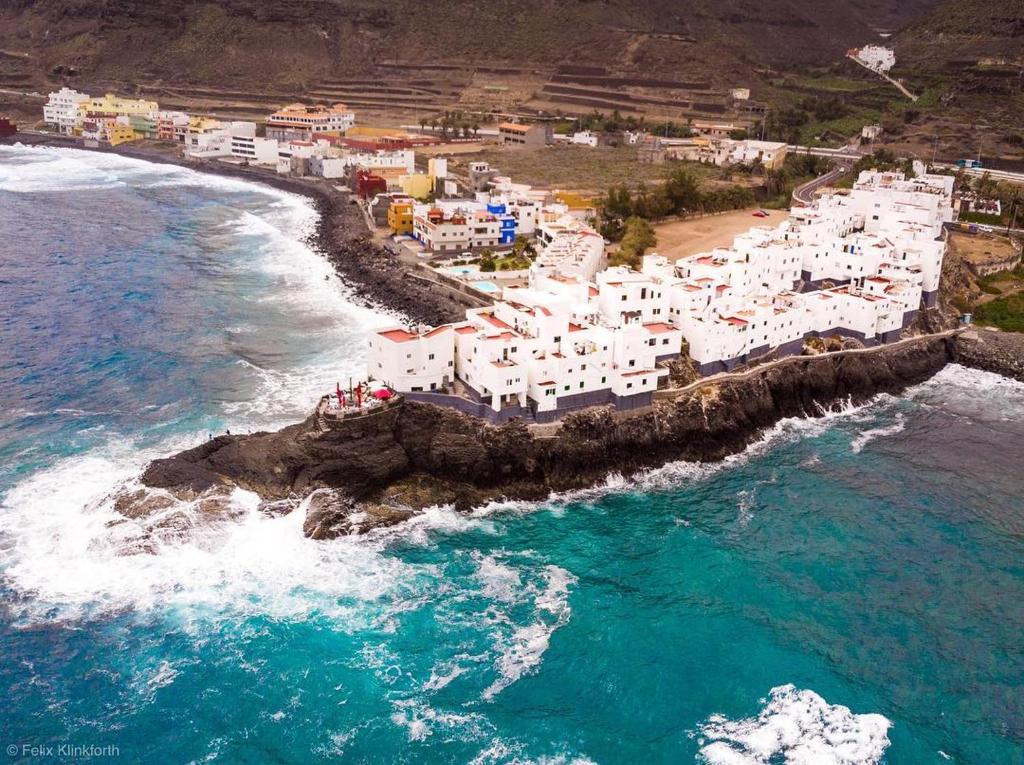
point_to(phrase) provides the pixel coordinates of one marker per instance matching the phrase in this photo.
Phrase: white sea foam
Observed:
(500, 582)
(521, 647)
(29, 169)
(867, 436)
(796, 727)
(421, 720)
(674, 474)
(70, 553)
(506, 752)
(964, 392)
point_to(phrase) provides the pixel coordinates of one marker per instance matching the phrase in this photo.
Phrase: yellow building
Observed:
(119, 133)
(400, 217)
(115, 105)
(201, 125)
(417, 185)
(574, 201)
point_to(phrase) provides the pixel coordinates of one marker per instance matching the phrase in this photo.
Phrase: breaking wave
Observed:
(795, 727)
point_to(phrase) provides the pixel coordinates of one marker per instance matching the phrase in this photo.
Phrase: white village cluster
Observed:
(857, 264)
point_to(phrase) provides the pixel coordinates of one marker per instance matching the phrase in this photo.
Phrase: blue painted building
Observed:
(507, 233)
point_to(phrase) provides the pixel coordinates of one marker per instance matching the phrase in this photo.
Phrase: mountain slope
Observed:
(291, 41)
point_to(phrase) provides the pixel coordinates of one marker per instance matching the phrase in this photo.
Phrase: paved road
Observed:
(848, 152)
(804, 195)
(998, 175)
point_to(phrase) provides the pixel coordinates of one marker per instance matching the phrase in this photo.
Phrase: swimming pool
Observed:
(487, 286)
(462, 270)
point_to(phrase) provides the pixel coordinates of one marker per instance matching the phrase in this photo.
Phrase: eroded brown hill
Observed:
(290, 43)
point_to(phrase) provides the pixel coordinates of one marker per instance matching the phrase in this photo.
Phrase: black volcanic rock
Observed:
(378, 469)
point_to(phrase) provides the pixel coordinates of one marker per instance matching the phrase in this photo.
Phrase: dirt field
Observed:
(451, 149)
(573, 168)
(983, 251)
(680, 238)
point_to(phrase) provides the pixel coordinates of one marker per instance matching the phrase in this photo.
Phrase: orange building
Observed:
(298, 122)
(400, 217)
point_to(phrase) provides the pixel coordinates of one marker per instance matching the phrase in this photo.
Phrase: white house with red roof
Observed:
(413, 360)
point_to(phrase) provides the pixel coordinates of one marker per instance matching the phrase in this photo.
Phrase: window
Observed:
(431, 357)
(581, 385)
(567, 387)
(629, 385)
(604, 380)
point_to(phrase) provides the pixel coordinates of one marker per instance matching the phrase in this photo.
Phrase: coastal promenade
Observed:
(550, 430)
(668, 393)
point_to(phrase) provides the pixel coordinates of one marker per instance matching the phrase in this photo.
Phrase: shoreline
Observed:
(383, 468)
(376, 278)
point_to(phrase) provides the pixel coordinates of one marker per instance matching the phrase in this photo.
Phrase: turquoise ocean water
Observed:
(849, 590)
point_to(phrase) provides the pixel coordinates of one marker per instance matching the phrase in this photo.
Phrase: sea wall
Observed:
(418, 454)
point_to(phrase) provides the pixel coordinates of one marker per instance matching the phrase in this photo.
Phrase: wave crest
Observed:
(796, 727)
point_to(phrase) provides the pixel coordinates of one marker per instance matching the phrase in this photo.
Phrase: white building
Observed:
(422, 360)
(61, 111)
(877, 57)
(207, 140)
(245, 144)
(569, 248)
(301, 122)
(726, 151)
(456, 231)
(856, 265)
(584, 138)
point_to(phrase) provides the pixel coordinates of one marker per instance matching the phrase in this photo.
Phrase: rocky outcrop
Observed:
(378, 469)
(998, 352)
(382, 279)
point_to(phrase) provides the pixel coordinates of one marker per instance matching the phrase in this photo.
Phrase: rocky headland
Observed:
(383, 467)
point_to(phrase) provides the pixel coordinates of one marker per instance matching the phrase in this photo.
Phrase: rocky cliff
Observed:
(380, 468)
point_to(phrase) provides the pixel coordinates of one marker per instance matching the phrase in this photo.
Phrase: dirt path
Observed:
(896, 83)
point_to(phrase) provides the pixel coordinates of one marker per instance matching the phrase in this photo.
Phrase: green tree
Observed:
(639, 236)
(682, 189)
